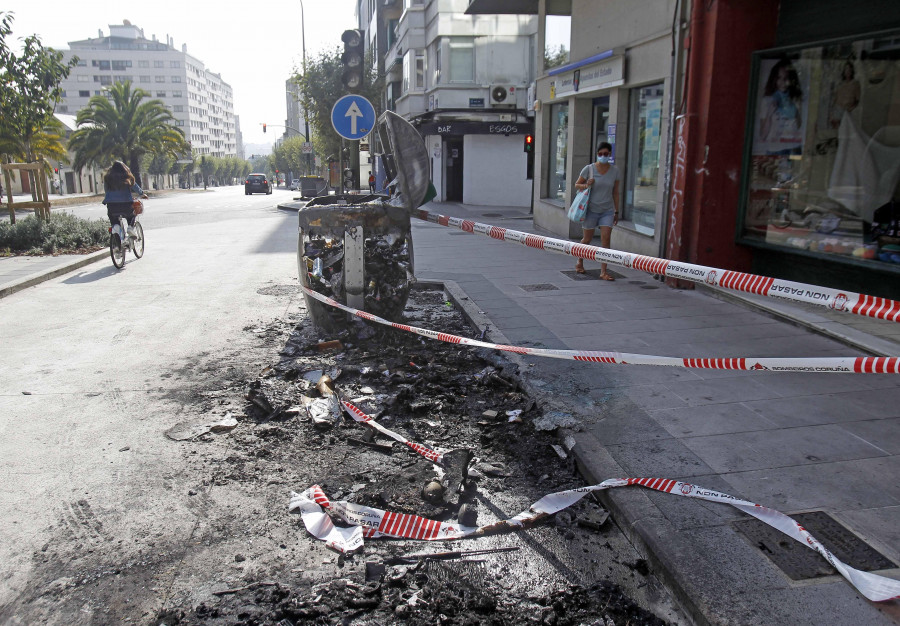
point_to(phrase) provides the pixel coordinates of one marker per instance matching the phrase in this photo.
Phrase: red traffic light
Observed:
(264, 128)
(529, 143)
(56, 170)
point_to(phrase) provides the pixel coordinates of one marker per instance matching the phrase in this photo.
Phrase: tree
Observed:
(29, 92)
(289, 155)
(320, 87)
(207, 167)
(553, 58)
(125, 127)
(158, 164)
(48, 142)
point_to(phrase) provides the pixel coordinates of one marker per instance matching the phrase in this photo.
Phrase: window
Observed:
(823, 174)
(144, 79)
(83, 78)
(84, 94)
(462, 61)
(178, 108)
(642, 175)
(176, 94)
(120, 65)
(437, 62)
(62, 93)
(176, 79)
(174, 64)
(557, 142)
(82, 63)
(121, 78)
(160, 94)
(62, 108)
(420, 70)
(557, 36)
(160, 79)
(103, 80)
(143, 63)
(102, 65)
(179, 122)
(157, 64)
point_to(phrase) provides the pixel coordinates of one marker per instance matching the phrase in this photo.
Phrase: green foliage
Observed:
(555, 58)
(320, 87)
(29, 92)
(63, 233)
(125, 128)
(289, 156)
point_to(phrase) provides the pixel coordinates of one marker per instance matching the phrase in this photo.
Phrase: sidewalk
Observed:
(795, 442)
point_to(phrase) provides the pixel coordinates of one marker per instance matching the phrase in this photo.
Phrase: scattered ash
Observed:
(439, 394)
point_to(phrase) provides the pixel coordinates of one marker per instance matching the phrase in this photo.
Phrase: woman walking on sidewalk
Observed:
(603, 207)
(118, 183)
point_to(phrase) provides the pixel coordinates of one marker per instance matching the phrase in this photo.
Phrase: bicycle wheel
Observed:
(117, 250)
(137, 244)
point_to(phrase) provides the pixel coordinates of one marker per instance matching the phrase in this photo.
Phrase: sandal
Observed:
(606, 277)
(579, 269)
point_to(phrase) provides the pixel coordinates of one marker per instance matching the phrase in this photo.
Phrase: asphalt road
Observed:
(98, 363)
(102, 518)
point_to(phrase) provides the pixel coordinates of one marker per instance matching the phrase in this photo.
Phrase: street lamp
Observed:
(305, 115)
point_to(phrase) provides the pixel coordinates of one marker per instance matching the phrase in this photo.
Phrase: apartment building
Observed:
(201, 101)
(462, 81)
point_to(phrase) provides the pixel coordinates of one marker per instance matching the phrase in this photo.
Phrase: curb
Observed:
(39, 277)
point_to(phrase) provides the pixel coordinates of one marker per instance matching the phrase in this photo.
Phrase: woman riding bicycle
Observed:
(118, 183)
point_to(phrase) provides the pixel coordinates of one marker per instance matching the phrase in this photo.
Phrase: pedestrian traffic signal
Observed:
(352, 58)
(264, 127)
(349, 179)
(529, 143)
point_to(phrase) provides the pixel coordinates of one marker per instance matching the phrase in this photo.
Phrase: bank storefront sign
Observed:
(601, 71)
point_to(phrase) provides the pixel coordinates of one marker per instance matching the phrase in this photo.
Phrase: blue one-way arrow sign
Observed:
(353, 117)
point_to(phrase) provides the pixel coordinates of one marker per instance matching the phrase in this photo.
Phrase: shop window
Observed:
(642, 171)
(557, 36)
(823, 173)
(462, 61)
(558, 142)
(600, 121)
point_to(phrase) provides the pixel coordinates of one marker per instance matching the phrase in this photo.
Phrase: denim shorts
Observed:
(593, 220)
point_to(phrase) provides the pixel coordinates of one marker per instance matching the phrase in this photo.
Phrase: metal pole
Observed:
(305, 116)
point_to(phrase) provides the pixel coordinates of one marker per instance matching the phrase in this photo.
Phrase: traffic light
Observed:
(352, 59)
(56, 170)
(264, 127)
(529, 143)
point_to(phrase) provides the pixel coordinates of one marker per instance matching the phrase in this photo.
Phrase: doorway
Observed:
(454, 161)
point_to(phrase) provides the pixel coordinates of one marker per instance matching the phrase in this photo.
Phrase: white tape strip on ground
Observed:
(316, 510)
(846, 301)
(846, 365)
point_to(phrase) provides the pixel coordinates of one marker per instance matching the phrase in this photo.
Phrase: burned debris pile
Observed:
(464, 403)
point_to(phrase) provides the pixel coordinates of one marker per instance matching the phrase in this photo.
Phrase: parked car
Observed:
(257, 183)
(295, 184)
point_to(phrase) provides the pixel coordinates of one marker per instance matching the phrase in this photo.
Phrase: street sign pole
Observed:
(341, 168)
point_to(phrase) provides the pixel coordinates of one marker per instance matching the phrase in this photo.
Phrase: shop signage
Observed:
(476, 128)
(601, 75)
(476, 103)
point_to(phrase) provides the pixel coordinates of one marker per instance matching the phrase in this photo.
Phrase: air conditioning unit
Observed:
(503, 96)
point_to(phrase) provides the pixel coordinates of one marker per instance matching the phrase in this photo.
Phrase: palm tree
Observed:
(120, 125)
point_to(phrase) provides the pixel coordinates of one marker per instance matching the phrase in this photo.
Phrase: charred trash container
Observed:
(357, 249)
(359, 254)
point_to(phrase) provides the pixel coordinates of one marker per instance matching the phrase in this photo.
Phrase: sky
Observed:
(255, 47)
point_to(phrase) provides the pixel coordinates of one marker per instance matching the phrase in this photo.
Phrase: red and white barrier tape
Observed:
(357, 414)
(846, 365)
(366, 522)
(846, 301)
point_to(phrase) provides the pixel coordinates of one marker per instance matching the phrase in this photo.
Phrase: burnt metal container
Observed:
(356, 249)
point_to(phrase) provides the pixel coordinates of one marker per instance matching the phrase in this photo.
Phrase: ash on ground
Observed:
(572, 570)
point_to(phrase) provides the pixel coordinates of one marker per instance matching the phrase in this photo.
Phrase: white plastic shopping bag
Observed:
(579, 205)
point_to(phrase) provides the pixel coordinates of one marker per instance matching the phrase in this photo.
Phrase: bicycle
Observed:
(120, 241)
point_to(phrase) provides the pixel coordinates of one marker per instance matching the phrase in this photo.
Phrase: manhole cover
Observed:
(278, 290)
(591, 274)
(798, 561)
(539, 287)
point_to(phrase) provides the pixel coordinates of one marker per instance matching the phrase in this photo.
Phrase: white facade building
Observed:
(201, 102)
(463, 81)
